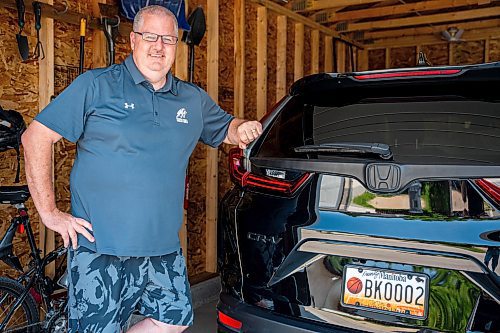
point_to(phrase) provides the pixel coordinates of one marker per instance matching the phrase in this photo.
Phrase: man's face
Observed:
(154, 59)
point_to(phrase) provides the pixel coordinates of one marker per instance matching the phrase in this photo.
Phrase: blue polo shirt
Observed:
(133, 146)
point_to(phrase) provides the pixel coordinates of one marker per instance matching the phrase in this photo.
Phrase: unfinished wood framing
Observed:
(308, 5)
(362, 60)
(451, 58)
(427, 30)
(298, 68)
(424, 19)
(261, 61)
(281, 57)
(478, 34)
(340, 57)
(46, 90)
(487, 50)
(212, 153)
(314, 51)
(99, 45)
(239, 58)
(328, 54)
(387, 58)
(334, 16)
(280, 10)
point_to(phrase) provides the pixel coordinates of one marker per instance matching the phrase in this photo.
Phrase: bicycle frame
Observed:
(36, 273)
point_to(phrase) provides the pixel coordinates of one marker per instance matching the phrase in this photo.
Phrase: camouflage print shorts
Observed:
(105, 290)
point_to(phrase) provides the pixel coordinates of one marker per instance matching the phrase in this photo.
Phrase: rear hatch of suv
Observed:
(372, 200)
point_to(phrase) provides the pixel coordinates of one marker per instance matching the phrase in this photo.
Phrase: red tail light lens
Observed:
(244, 178)
(228, 321)
(407, 74)
(491, 189)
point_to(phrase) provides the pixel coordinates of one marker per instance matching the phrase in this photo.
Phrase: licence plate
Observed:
(387, 291)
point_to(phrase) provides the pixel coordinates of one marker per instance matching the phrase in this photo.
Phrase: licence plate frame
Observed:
(349, 299)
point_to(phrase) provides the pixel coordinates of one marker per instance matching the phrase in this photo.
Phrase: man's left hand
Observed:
(248, 132)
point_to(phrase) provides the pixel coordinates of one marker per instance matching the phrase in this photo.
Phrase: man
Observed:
(135, 126)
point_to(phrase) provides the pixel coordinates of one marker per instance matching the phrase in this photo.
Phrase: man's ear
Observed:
(132, 40)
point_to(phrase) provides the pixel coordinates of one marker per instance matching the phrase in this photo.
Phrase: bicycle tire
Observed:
(26, 317)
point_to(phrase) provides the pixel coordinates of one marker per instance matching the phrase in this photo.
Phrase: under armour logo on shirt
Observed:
(131, 105)
(181, 116)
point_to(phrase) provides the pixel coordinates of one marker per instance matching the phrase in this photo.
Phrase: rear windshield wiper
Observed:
(380, 149)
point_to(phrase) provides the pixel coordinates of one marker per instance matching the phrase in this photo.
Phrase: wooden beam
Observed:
(298, 65)
(487, 50)
(181, 71)
(281, 57)
(314, 51)
(212, 153)
(328, 54)
(45, 91)
(387, 58)
(334, 16)
(308, 5)
(451, 57)
(261, 62)
(435, 29)
(362, 60)
(99, 44)
(423, 19)
(340, 52)
(239, 58)
(280, 10)
(479, 34)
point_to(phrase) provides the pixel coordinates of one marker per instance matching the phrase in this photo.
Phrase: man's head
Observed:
(154, 59)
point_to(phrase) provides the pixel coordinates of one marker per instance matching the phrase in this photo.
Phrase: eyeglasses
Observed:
(152, 37)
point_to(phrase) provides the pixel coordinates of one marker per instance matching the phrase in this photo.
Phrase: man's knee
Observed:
(166, 328)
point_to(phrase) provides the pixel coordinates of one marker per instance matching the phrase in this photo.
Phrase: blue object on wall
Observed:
(130, 7)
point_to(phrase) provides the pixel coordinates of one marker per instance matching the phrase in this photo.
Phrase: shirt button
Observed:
(156, 113)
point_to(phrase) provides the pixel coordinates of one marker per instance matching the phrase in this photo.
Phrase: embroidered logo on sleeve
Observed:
(181, 116)
(131, 105)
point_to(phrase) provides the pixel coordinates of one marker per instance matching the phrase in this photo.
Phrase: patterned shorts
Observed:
(105, 290)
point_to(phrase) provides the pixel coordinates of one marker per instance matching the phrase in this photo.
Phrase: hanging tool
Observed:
(110, 27)
(83, 24)
(22, 41)
(38, 52)
(194, 36)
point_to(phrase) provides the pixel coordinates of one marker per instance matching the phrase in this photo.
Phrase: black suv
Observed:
(371, 202)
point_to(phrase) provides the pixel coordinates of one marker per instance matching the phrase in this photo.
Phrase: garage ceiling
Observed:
(405, 22)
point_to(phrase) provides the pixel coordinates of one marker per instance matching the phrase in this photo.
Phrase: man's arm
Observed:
(38, 141)
(241, 132)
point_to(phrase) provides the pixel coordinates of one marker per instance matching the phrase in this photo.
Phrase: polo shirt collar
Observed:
(139, 78)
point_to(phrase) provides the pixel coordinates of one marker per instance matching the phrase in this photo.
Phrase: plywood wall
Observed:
(464, 53)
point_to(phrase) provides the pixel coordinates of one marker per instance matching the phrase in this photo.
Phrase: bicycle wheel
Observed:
(25, 318)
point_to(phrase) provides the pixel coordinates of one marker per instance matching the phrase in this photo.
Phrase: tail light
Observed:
(491, 189)
(228, 321)
(247, 179)
(413, 73)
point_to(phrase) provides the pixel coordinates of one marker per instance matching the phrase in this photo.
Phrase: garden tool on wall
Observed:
(110, 27)
(22, 41)
(38, 52)
(194, 36)
(83, 24)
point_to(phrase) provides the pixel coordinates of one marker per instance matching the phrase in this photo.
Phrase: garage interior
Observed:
(251, 53)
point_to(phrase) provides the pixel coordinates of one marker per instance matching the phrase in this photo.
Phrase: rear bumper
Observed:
(258, 320)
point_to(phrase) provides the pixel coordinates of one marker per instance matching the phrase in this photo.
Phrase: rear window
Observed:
(418, 130)
(433, 200)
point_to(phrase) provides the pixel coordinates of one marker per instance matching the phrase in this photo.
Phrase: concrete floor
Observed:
(205, 319)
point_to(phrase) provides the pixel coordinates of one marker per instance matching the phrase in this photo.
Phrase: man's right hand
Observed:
(67, 226)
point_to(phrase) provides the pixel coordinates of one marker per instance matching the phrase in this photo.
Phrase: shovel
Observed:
(194, 36)
(22, 41)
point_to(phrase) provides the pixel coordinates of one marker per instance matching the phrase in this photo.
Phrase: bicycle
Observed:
(19, 309)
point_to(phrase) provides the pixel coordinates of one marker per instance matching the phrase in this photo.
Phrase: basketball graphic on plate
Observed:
(354, 285)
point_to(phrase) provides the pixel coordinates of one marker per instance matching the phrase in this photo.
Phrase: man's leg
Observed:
(154, 326)
(166, 301)
(100, 296)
